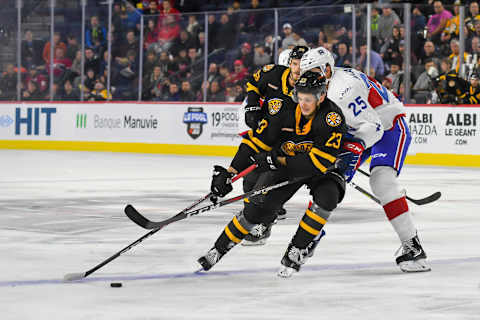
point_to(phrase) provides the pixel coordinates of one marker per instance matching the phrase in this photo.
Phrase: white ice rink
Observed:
(62, 212)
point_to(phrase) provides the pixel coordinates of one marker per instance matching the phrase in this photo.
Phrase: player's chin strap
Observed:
(419, 202)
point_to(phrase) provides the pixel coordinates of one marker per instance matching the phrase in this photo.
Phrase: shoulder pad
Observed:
(268, 67)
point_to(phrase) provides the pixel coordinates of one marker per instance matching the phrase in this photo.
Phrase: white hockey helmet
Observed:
(284, 57)
(317, 58)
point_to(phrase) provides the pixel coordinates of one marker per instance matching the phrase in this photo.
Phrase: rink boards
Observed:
(441, 134)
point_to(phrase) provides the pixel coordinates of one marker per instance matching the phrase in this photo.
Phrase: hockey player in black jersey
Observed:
(268, 90)
(312, 134)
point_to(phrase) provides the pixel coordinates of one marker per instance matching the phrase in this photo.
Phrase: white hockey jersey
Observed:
(369, 108)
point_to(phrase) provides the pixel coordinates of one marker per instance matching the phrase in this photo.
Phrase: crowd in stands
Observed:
(239, 42)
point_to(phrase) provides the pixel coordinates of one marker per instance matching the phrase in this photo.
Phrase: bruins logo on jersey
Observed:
(274, 105)
(333, 119)
(291, 148)
(268, 67)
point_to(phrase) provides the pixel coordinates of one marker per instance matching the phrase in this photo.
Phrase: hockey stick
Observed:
(419, 202)
(81, 275)
(137, 217)
(365, 192)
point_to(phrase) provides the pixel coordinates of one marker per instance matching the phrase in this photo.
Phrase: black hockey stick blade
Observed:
(143, 222)
(419, 202)
(431, 198)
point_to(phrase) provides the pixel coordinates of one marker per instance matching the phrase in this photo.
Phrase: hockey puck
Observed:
(116, 284)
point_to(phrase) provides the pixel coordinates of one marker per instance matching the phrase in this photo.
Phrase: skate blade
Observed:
(420, 265)
(247, 243)
(285, 272)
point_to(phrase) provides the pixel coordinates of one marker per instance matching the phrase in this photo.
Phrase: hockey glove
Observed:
(266, 161)
(221, 181)
(253, 114)
(350, 157)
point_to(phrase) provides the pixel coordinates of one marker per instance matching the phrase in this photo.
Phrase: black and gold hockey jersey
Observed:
(268, 81)
(313, 145)
(473, 95)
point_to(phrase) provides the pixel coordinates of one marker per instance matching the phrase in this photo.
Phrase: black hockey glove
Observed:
(266, 161)
(253, 114)
(221, 181)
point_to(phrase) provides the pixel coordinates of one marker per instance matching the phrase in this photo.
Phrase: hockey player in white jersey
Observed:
(387, 144)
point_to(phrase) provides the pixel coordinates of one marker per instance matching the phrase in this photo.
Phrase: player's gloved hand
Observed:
(253, 114)
(221, 181)
(266, 161)
(350, 155)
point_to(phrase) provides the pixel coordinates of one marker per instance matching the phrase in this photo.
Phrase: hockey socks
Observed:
(232, 235)
(399, 216)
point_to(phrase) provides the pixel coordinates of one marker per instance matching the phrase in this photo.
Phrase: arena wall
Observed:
(441, 134)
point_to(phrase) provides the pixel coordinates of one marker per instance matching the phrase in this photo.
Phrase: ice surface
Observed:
(62, 212)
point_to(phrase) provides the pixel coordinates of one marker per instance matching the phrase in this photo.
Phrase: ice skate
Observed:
(292, 261)
(258, 235)
(413, 257)
(210, 259)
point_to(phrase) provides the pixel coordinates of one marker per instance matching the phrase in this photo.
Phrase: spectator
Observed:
(473, 96)
(40, 79)
(173, 93)
(475, 47)
(76, 67)
(60, 65)
(153, 84)
(322, 39)
(213, 27)
(182, 63)
(473, 15)
(376, 62)
(452, 26)
(132, 21)
(246, 55)
(31, 51)
(91, 61)
(261, 57)
(131, 43)
(473, 34)
(213, 73)
(390, 49)
(152, 8)
(298, 40)
(186, 92)
(200, 43)
(69, 94)
(254, 18)
(215, 93)
(99, 92)
(343, 57)
(455, 53)
(95, 35)
(230, 93)
(166, 63)
(226, 32)
(31, 93)
(429, 52)
(225, 76)
(182, 42)
(240, 92)
(90, 79)
(8, 83)
(419, 23)
(437, 22)
(239, 72)
(150, 62)
(151, 34)
(376, 43)
(288, 41)
(168, 32)
(72, 47)
(193, 28)
(57, 43)
(386, 22)
(168, 11)
(195, 65)
(423, 86)
(119, 19)
(396, 74)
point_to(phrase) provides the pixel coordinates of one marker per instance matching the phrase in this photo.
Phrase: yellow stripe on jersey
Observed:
(251, 87)
(231, 236)
(246, 200)
(258, 142)
(309, 229)
(284, 83)
(239, 226)
(315, 217)
(324, 155)
(251, 145)
(317, 163)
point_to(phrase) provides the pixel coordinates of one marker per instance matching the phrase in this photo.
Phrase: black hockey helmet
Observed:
(311, 82)
(297, 53)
